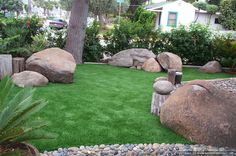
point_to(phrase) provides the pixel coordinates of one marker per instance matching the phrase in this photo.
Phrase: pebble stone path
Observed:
(142, 150)
(228, 84)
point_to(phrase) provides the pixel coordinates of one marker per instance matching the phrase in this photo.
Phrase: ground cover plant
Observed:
(106, 105)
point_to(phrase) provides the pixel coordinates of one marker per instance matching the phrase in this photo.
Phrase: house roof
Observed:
(156, 5)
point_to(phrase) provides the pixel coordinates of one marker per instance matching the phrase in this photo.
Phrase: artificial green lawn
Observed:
(106, 105)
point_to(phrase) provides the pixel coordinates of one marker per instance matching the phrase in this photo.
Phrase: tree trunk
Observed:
(77, 29)
(134, 4)
(29, 7)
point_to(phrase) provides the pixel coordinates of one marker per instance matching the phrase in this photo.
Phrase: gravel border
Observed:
(141, 149)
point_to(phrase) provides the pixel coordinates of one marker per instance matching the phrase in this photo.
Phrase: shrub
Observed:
(192, 44)
(225, 50)
(56, 38)
(15, 110)
(19, 34)
(135, 33)
(92, 47)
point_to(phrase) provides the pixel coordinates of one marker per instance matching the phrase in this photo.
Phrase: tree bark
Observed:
(29, 7)
(134, 4)
(77, 29)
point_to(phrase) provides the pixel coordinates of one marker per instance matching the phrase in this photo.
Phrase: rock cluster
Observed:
(140, 149)
(146, 60)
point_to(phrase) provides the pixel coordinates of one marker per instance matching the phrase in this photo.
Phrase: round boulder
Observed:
(56, 64)
(211, 67)
(151, 65)
(29, 79)
(203, 113)
(170, 61)
(163, 87)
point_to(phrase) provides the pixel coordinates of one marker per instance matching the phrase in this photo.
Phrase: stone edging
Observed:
(140, 150)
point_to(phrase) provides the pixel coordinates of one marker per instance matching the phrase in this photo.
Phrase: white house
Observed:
(172, 14)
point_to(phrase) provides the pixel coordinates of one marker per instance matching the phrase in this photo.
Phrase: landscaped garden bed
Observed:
(106, 105)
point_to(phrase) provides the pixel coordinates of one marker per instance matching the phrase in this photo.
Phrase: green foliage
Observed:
(18, 33)
(214, 2)
(66, 4)
(39, 43)
(195, 44)
(225, 50)
(47, 5)
(136, 33)
(200, 5)
(228, 14)
(212, 9)
(192, 44)
(92, 47)
(56, 38)
(15, 110)
(11, 6)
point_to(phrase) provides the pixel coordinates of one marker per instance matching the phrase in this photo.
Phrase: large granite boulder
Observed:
(170, 61)
(56, 64)
(29, 79)
(131, 57)
(211, 67)
(203, 112)
(151, 65)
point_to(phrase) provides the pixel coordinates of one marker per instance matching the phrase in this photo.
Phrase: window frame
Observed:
(168, 24)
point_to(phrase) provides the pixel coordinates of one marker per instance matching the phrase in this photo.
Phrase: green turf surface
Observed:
(106, 105)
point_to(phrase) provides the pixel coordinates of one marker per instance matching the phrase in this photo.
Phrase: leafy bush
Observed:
(15, 110)
(92, 47)
(39, 43)
(56, 38)
(24, 29)
(192, 44)
(225, 50)
(136, 33)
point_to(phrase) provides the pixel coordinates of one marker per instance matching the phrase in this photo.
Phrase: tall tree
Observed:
(228, 14)
(15, 6)
(66, 4)
(77, 29)
(134, 4)
(29, 7)
(47, 5)
(215, 2)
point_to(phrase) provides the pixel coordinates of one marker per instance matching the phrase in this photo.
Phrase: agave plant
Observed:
(14, 113)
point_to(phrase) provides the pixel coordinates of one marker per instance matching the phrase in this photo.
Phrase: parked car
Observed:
(57, 23)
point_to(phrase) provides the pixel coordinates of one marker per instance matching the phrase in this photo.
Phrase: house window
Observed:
(172, 19)
(217, 21)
